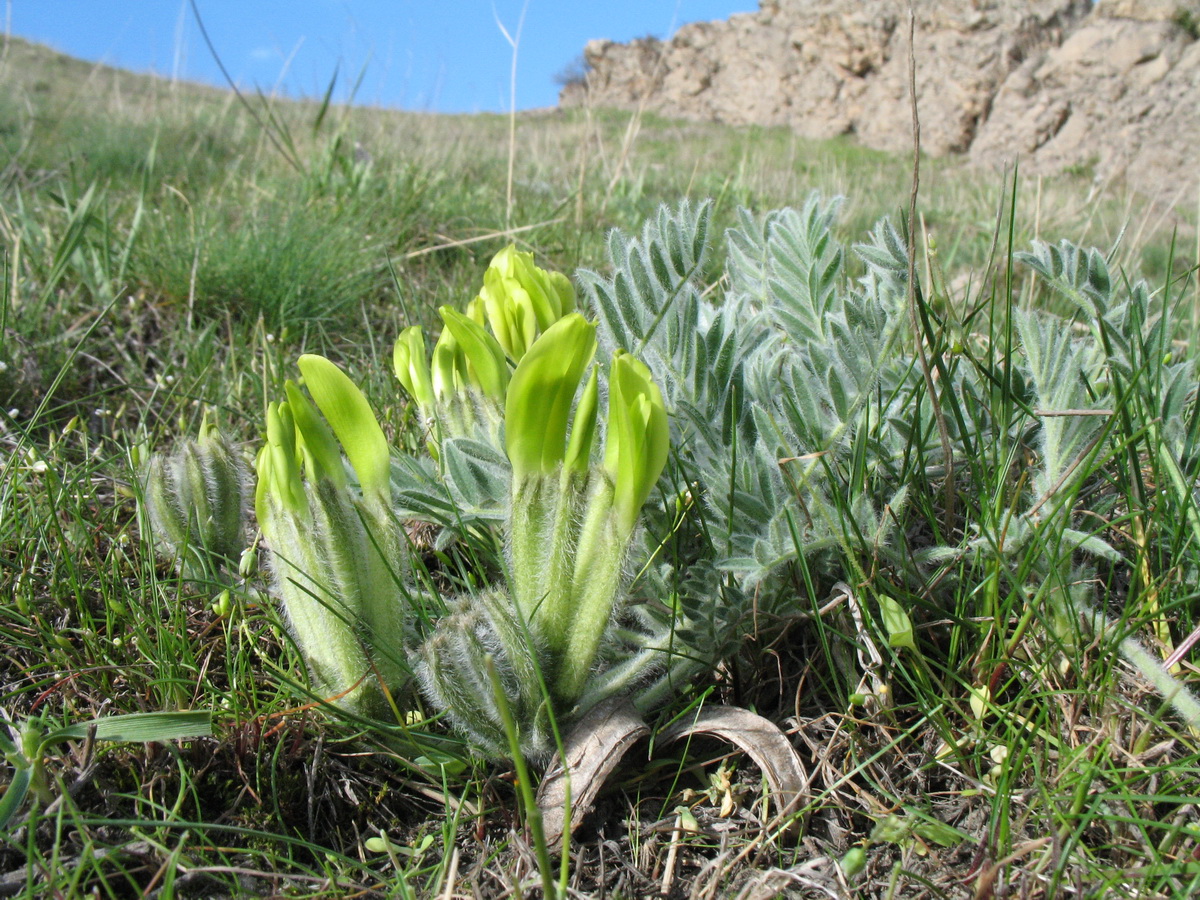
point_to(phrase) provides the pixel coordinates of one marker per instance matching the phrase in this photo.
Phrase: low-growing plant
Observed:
(797, 401)
(928, 568)
(777, 432)
(196, 500)
(289, 262)
(569, 528)
(339, 557)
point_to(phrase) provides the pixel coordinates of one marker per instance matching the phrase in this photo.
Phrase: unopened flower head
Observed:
(520, 300)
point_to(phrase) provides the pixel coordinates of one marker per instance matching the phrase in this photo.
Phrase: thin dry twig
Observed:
(514, 41)
(672, 857)
(491, 235)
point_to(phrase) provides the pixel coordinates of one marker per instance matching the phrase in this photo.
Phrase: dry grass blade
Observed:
(761, 740)
(491, 235)
(592, 750)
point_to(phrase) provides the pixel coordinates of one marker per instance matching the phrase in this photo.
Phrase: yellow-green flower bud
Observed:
(476, 312)
(195, 499)
(335, 553)
(583, 428)
(317, 447)
(277, 464)
(486, 366)
(248, 562)
(412, 368)
(508, 313)
(638, 438)
(541, 394)
(350, 416)
(519, 300)
(854, 861)
(548, 298)
(446, 369)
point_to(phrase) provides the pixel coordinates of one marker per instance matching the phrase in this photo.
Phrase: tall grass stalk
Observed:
(514, 41)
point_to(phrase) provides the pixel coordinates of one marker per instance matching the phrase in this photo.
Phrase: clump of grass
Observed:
(286, 263)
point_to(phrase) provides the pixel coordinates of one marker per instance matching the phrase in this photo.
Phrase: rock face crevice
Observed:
(1114, 86)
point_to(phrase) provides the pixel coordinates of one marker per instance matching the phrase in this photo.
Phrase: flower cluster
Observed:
(460, 389)
(338, 553)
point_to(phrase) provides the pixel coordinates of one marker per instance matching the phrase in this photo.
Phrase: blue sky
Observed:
(448, 56)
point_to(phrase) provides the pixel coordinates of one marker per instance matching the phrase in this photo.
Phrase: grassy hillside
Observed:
(984, 685)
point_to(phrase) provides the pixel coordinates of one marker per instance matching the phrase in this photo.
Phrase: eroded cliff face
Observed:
(1120, 93)
(1057, 82)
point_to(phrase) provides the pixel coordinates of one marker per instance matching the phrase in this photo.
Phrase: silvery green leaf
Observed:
(934, 556)
(803, 266)
(1177, 392)
(747, 566)
(477, 473)
(1060, 384)
(748, 256)
(1089, 543)
(417, 491)
(649, 307)
(1081, 276)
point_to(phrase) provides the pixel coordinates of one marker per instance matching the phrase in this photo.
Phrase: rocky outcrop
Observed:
(1115, 85)
(1121, 95)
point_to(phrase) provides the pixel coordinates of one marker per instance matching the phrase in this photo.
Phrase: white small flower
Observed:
(14, 412)
(3, 366)
(39, 467)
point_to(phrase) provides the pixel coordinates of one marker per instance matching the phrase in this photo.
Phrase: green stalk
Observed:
(384, 604)
(225, 479)
(319, 621)
(520, 647)
(596, 581)
(530, 536)
(558, 608)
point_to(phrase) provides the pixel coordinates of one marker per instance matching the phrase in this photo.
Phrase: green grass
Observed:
(163, 258)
